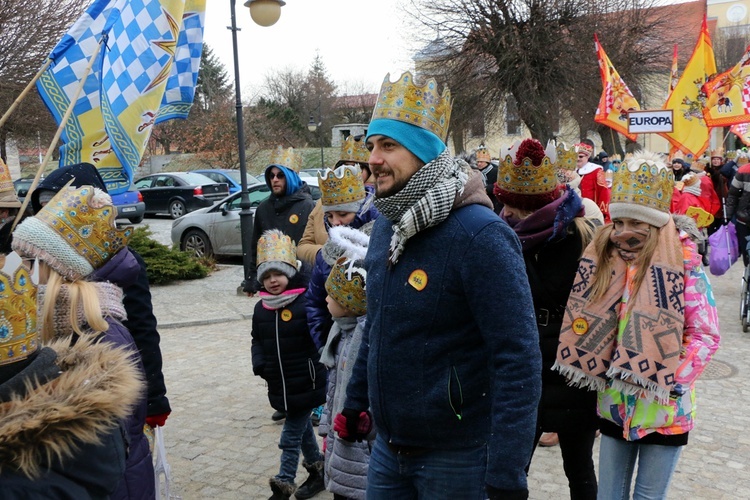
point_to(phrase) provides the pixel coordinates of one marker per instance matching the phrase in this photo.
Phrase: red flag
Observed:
(728, 95)
(674, 77)
(742, 131)
(616, 99)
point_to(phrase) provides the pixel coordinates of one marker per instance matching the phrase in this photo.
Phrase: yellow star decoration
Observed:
(168, 46)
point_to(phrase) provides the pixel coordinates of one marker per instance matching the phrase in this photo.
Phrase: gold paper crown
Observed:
(423, 106)
(275, 246)
(288, 158)
(483, 154)
(524, 177)
(643, 181)
(731, 155)
(340, 186)
(18, 334)
(354, 151)
(717, 153)
(346, 285)
(566, 158)
(8, 198)
(84, 218)
(582, 147)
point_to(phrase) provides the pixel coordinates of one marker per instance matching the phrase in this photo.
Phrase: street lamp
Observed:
(312, 127)
(263, 13)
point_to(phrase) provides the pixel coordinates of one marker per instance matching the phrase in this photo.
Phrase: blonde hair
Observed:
(82, 294)
(603, 250)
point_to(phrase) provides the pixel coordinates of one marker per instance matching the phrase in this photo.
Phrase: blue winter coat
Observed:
(122, 270)
(450, 356)
(318, 318)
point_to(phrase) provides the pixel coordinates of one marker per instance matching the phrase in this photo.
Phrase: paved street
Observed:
(222, 444)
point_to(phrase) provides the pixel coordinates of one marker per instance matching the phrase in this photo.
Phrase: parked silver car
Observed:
(216, 230)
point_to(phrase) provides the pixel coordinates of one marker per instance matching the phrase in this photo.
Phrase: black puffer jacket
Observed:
(288, 214)
(551, 268)
(738, 200)
(284, 355)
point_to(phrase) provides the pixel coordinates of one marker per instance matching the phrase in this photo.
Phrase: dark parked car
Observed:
(178, 193)
(231, 177)
(22, 188)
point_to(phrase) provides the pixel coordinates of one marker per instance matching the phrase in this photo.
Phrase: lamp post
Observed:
(263, 13)
(312, 127)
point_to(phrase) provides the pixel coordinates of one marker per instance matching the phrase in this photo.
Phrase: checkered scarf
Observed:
(425, 201)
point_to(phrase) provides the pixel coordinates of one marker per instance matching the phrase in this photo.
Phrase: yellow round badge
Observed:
(286, 315)
(294, 218)
(580, 326)
(418, 279)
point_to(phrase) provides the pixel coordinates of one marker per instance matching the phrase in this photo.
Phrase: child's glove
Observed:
(352, 425)
(157, 420)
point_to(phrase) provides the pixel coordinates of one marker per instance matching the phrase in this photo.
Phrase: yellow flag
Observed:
(728, 95)
(673, 75)
(616, 99)
(690, 133)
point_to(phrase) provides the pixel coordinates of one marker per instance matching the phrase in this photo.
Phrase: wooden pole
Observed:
(25, 92)
(60, 129)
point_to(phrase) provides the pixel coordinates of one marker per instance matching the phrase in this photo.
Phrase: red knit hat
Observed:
(527, 179)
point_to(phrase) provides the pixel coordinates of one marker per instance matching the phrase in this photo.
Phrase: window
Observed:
(144, 183)
(512, 120)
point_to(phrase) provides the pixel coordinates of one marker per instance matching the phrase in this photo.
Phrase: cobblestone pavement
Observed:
(221, 442)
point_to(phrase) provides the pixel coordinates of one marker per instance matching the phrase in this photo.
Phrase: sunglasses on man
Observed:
(276, 175)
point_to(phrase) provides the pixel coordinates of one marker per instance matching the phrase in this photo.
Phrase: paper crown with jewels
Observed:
(341, 189)
(717, 153)
(642, 190)
(277, 251)
(483, 154)
(18, 333)
(353, 150)
(288, 158)
(566, 158)
(8, 198)
(582, 147)
(347, 280)
(526, 178)
(75, 233)
(422, 106)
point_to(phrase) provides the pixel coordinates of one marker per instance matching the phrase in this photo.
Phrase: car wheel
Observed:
(177, 209)
(136, 220)
(196, 242)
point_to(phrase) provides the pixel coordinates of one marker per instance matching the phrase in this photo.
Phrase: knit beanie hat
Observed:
(527, 179)
(18, 330)
(77, 175)
(346, 283)
(642, 190)
(75, 233)
(342, 189)
(417, 117)
(277, 252)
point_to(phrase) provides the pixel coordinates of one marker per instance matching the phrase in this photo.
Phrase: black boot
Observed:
(281, 490)
(314, 483)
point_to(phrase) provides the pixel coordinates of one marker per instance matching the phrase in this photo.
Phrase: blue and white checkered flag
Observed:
(135, 67)
(178, 98)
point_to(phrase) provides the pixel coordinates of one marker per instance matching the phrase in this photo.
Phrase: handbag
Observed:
(162, 470)
(724, 249)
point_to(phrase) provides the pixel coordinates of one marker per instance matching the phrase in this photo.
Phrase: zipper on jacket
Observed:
(311, 370)
(456, 410)
(281, 366)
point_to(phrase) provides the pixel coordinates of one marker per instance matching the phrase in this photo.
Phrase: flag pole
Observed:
(25, 92)
(60, 128)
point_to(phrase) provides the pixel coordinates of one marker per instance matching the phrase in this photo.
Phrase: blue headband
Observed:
(421, 142)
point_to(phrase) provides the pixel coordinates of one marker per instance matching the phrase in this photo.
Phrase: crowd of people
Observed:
(394, 309)
(445, 366)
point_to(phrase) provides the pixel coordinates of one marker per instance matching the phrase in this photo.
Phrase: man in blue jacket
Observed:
(449, 367)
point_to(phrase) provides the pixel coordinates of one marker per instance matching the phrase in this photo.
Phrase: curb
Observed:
(202, 322)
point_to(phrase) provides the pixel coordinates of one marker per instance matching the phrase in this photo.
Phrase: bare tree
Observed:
(540, 53)
(28, 32)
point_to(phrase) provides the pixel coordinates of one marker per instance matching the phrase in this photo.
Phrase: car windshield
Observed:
(194, 179)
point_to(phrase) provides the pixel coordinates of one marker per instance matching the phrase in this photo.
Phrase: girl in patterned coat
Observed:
(640, 327)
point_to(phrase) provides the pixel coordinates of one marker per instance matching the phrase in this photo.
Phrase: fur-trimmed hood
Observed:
(96, 387)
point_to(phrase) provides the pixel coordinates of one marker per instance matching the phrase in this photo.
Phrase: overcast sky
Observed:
(359, 41)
